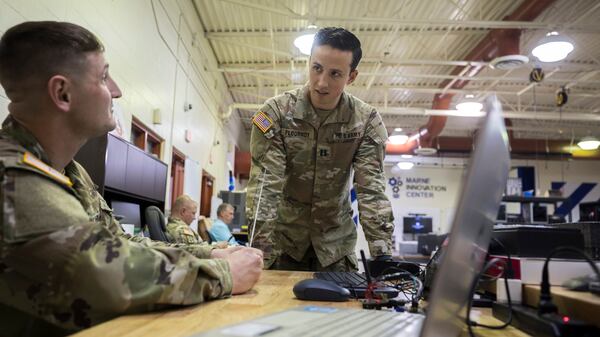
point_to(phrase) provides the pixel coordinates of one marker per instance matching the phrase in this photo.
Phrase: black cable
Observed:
(471, 324)
(546, 306)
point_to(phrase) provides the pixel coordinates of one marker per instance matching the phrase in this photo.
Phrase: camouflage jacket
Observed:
(179, 232)
(306, 167)
(65, 259)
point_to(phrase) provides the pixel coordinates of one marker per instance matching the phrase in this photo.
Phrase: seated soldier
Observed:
(65, 263)
(183, 213)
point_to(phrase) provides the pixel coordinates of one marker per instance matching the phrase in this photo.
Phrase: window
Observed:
(145, 139)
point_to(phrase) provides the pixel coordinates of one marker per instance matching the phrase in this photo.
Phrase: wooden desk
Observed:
(580, 305)
(272, 293)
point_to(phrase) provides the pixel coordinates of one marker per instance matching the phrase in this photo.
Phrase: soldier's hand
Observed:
(224, 253)
(222, 244)
(246, 265)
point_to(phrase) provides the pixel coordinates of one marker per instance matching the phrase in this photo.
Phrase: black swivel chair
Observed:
(155, 220)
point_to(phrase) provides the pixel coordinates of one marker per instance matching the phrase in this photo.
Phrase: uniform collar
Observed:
(13, 131)
(305, 111)
(176, 220)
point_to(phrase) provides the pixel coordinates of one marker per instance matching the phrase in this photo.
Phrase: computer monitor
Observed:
(501, 216)
(539, 214)
(417, 224)
(129, 211)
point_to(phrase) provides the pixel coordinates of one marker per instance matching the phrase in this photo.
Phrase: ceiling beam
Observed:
(398, 74)
(428, 90)
(542, 115)
(290, 33)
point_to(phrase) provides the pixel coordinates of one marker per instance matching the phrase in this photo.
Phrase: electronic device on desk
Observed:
(546, 320)
(428, 243)
(589, 211)
(320, 290)
(534, 213)
(532, 240)
(417, 224)
(501, 216)
(128, 212)
(358, 284)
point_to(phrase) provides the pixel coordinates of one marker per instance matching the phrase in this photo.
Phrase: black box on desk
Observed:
(535, 241)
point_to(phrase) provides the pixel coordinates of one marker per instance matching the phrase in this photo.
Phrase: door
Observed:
(206, 193)
(177, 174)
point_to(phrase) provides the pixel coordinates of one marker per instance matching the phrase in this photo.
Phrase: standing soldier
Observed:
(304, 145)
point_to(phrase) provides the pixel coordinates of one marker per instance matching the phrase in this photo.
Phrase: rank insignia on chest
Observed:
(324, 152)
(262, 121)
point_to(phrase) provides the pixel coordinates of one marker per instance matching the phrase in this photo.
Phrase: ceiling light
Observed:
(469, 108)
(405, 165)
(398, 129)
(406, 156)
(552, 48)
(398, 139)
(304, 42)
(589, 143)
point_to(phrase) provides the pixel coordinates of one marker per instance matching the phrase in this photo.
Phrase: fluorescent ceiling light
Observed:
(405, 165)
(398, 139)
(589, 143)
(304, 43)
(469, 109)
(553, 48)
(398, 129)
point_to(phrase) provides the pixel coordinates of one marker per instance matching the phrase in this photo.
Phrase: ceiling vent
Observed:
(508, 62)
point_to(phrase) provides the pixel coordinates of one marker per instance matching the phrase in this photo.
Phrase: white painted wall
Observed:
(160, 59)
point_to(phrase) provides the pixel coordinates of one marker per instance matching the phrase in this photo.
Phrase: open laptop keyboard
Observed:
(362, 323)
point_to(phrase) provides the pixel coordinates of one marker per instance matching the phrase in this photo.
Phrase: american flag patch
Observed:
(262, 121)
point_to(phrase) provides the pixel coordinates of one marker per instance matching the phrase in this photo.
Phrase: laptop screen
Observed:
(472, 227)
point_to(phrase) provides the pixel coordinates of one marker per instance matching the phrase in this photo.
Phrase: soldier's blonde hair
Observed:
(181, 202)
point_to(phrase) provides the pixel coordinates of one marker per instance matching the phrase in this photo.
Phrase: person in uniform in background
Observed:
(220, 227)
(65, 263)
(304, 146)
(182, 215)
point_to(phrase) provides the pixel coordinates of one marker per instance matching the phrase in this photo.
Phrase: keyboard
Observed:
(355, 282)
(363, 323)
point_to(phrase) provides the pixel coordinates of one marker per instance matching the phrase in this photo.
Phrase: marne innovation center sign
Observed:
(415, 187)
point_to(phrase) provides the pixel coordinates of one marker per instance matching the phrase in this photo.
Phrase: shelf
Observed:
(533, 199)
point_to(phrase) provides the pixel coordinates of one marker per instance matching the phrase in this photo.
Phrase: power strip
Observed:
(547, 325)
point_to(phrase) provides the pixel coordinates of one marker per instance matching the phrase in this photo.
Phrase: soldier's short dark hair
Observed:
(342, 39)
(39, 50)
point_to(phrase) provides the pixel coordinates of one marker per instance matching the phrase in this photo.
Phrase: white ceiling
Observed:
(409, 48)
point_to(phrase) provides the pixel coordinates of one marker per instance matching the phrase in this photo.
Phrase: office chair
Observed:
(204, 225)
(155, 220)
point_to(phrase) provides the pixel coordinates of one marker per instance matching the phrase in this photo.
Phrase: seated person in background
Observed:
(65, 263)
(220, 229)
(183, 214)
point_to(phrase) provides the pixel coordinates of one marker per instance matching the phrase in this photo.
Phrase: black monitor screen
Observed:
(501, 213)
(128, 210)
(540, 213)
(417, 224)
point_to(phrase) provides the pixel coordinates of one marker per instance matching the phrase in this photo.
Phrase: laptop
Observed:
(461, 262)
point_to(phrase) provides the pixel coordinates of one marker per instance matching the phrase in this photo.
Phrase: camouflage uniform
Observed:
(65, 259)
(305, 162)
(179, 232)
